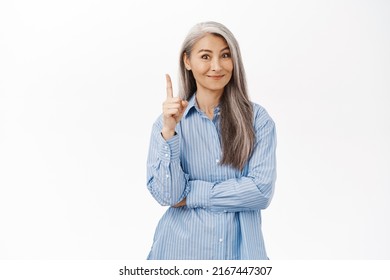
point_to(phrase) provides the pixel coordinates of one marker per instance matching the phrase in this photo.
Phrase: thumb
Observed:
(184, 103)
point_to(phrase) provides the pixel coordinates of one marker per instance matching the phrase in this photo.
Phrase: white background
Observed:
(81, 83)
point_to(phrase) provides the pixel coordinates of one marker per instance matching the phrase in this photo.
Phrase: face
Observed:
(211, 64)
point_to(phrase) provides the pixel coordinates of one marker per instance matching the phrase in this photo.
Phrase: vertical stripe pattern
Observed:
(222, 218)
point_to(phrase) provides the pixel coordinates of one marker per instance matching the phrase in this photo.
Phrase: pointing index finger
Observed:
(169, 86)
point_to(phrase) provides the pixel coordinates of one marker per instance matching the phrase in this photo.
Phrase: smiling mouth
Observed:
(216, 77)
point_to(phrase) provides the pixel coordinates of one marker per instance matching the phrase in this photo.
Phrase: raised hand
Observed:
(173, 109)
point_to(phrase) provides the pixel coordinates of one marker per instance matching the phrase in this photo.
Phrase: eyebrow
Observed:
(209, 51)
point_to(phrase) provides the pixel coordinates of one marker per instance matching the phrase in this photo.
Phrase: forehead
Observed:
(210, 42)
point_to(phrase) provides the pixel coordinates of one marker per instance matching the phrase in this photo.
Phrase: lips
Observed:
(216, 77)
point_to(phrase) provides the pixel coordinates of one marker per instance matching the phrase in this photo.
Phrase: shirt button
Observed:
(225, 211)
(220, 240)
(167, 176)
(217, 160)
(166, 147)
(166, 155)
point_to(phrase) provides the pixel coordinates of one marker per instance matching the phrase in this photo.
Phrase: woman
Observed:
(211, 156)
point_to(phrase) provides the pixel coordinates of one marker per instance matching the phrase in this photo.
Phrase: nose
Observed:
(216, 65)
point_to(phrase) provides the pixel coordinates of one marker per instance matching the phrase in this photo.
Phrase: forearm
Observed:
(253, 190)
(166, 180)
(232, 195)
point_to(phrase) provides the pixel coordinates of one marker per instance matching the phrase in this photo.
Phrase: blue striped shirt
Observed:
(222, 218)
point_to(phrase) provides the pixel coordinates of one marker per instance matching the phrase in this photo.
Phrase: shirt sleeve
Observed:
(166, 180)
(251, 192)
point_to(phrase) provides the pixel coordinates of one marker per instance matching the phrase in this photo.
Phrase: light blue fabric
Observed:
(222, 219)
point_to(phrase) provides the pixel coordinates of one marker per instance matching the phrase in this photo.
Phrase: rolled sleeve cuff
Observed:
(169, 150)
(199, 196)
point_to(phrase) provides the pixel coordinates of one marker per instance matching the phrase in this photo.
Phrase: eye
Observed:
(205, 56)
(226, 55)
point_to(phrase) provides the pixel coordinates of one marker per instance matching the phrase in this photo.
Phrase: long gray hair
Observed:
(237, 130)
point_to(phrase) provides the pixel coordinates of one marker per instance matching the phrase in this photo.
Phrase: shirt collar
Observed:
(191, 105)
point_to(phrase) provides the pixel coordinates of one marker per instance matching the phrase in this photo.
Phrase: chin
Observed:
(215, 87)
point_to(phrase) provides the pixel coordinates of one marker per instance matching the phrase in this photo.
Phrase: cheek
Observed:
(200, 68)
(229, 66)
(198, 74)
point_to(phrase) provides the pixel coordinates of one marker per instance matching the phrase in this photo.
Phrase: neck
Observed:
(207, 101)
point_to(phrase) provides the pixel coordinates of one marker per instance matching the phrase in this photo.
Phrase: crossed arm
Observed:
(171, 186)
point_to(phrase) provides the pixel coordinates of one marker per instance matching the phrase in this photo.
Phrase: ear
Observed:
(186, 61)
